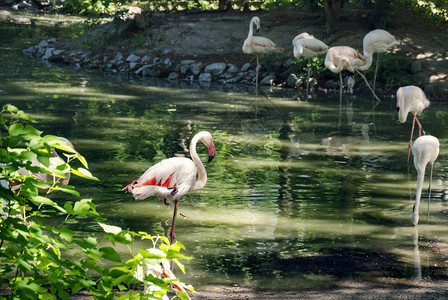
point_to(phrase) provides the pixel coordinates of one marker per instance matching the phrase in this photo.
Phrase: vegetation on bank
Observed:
(41, 255)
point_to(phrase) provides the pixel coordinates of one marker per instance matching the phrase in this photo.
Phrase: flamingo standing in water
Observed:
(172, 178)
(376, 41)
(308, 46)
(345, 58)
(411, 99)
(425, 150)
(258, 44)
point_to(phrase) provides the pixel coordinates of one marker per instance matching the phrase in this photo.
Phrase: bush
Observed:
(42, 261)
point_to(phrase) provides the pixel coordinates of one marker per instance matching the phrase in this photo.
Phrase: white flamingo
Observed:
(341, 58)
(425, 150)
(377, 41)
(308, 46)
(172, 178)
(411, 99)
(258, 44)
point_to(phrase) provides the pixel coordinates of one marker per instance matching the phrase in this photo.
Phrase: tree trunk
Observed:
(332, 13)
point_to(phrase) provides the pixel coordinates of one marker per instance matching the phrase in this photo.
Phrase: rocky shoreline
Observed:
(146, 65)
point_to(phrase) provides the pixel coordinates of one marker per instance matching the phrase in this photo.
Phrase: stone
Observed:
(215, 69)
(187, 62)
(167, 62)
(232, 69)
(292, 80)
(184, 69)
(245, 67)
(43, 44)
(30, 51)
(151, 73)
(268, 80)
(119, 57)
(196, 68)
(205, 77)
(132, 58)
(173, 76)
(157, 61)
(48, 53)
(145, 59)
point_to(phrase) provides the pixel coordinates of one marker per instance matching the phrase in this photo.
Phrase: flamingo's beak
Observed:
(211, 151)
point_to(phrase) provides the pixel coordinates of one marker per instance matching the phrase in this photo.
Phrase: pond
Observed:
(301, 193)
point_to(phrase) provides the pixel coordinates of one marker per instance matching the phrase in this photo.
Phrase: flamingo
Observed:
(345, 58)
(376, 41)
(411, 99)
(172, 178)
(425, 150)
(258, 44)
(308, 46)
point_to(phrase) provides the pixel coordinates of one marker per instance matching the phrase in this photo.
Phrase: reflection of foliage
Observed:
(39, 259)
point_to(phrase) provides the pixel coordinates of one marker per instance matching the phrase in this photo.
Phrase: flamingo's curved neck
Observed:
(368, 64)
(202, 174)
(418, 193)
(251, 29)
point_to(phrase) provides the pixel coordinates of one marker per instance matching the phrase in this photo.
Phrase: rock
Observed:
(118, 58)
(132, 58)
(187, 62)
(167, 62)
(292, 80)
(30, 51)
(58, 52)
(48, 53)
(145, 59)
(173, 76)
(43, 44)
(185, 69)
(232, 69)
(196, 68)
(205, 77)
(157, 61)
(245, 67)
(268, 80)
(215, 69)
(151, 73)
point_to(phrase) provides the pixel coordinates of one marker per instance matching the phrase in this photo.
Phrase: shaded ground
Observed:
(217, 37)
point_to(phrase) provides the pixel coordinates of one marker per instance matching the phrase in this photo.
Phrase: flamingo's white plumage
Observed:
(376, 41)
(308, 46)
(411, 99)
(172, 178)
(425, 150)
(341, 58)
(258, 44)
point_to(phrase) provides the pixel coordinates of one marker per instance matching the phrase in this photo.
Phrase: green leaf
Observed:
(81, 172)
(110, 254)
(86, 243)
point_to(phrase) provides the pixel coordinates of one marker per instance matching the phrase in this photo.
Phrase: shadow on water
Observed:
(300, 194)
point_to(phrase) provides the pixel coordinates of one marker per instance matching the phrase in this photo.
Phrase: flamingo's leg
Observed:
(308, 78)
(340, 88)
(368, 85)
(258, 69)
(419, 127)
(376, 70)
(410, 140)
(172, 233)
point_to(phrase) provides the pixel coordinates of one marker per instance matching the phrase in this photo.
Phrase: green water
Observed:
(300, 193)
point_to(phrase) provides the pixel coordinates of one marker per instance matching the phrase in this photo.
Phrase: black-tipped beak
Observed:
(210, 158)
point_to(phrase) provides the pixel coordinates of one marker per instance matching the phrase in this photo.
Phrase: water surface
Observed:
(301, 193)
